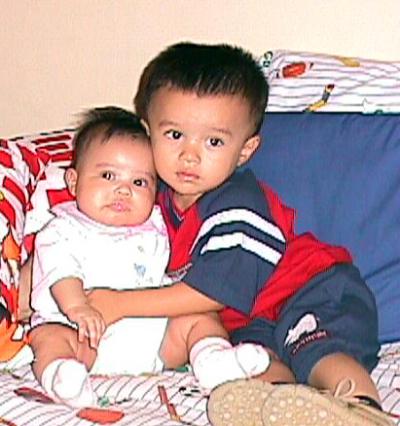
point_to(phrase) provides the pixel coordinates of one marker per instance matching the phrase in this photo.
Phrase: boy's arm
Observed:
(170, 301)
(72, 301)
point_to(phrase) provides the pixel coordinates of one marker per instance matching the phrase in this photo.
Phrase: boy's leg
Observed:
(61, 364)
(333, 319)
(261, 331)
(203, 340)
(328, 335)
(328, 332)
(342, 367)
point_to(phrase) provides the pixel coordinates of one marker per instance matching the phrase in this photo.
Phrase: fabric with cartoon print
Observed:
(303, 81)
(22, 165)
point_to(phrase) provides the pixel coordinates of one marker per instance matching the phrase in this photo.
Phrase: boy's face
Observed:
(198, 141)
(115, 181)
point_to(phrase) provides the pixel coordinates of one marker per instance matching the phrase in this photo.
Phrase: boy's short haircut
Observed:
(218, 69)
(104, 123)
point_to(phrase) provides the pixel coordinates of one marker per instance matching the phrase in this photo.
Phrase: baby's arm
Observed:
(24, 291)
(171, 301)
(72, 301)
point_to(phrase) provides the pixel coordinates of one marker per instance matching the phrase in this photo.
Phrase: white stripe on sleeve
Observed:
(222, 242)
(240, 215)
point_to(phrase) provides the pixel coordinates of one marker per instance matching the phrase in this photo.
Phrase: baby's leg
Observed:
(183, 332)
(203, 340)
(61, 364)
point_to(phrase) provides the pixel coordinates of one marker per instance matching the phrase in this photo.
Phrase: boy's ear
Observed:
(70, 178)
(146, 126)
(248, 149)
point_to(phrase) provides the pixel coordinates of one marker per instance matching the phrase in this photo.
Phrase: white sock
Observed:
(68, 382)
(214, 361)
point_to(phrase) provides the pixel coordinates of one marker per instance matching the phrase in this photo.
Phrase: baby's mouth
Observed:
(119, 206)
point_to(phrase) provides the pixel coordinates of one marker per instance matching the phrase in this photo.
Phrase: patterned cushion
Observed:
(23, 163)
(301, 81)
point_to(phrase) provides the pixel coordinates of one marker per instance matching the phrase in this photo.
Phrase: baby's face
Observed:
(115, 183)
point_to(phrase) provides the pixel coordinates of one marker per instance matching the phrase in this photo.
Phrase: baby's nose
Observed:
(124, 188)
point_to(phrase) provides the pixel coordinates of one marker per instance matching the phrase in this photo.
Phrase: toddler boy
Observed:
(233, 249)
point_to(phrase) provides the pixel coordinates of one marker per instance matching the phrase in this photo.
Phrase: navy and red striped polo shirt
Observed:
(237, 246)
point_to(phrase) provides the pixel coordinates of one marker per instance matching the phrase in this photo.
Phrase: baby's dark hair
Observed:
(104, 123)
(218, 69)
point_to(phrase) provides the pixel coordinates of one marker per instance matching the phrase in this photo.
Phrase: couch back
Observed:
(341, 172)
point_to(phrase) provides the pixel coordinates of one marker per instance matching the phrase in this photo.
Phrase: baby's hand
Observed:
(89, 321)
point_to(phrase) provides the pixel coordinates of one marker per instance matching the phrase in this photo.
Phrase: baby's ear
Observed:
(146, 126)
(248, 149)
(71, 177)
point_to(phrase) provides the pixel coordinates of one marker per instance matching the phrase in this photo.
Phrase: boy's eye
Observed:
(141, 182)
(174, 134)
(108, 175)
(215, 142)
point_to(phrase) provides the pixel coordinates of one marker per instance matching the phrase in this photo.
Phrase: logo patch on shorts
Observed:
(305, 331)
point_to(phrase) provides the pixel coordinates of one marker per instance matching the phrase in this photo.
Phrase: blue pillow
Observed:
(341, 172)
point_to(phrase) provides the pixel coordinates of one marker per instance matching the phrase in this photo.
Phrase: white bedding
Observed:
(126, 400)
(138, 401)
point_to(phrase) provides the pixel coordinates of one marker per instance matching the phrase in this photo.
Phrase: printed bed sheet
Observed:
(168, 399)
(172, 398)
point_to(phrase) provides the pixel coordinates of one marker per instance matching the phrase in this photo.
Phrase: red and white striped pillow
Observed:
(31, 169)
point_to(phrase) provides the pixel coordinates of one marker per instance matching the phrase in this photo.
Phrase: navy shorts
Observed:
(334, 312)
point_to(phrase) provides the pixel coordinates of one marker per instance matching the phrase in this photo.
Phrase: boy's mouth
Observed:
(187, 176)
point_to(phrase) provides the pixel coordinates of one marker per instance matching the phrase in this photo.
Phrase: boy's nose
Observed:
(189, 153)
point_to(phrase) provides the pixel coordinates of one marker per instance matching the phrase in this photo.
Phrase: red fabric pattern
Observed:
(16, 190)
(6, 159)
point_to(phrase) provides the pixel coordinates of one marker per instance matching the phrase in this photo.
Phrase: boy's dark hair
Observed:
(105, 122)
(218, 69)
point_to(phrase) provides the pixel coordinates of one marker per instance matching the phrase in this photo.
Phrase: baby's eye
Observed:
(107, 175)
(215, 142)
(174, 134)
(141, 182)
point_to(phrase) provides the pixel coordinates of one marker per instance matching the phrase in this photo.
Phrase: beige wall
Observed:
(60, 56)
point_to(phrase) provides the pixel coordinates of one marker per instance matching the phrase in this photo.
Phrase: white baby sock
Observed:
(67, 381)
(214, 361)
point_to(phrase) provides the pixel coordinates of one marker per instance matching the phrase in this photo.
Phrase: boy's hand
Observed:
(90, 323)
(107, 302)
